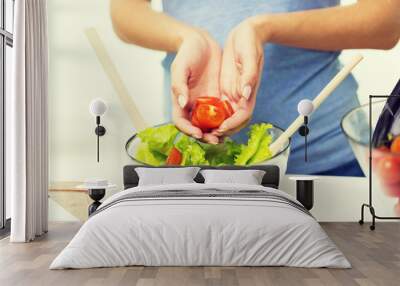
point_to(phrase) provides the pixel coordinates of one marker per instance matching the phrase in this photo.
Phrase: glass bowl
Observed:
(385, 165)
(280, 159)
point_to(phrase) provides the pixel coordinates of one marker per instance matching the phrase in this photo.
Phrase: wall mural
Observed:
(216, 112)
(212, 126)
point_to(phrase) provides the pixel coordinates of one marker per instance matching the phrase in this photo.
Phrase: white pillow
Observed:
(247, 177)
(166, 176)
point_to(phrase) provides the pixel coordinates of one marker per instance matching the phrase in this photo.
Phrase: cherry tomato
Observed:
(208, 116)
(389, 169)
(174, 157)
(395, 146)
(227, 107)
(209, 112)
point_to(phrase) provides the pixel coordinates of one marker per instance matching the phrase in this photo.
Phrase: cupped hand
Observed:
(242, 65)
(195, 72)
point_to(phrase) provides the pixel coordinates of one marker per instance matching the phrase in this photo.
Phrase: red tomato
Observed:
(383, 149)
(395, 146)
(206, 100)
(208, 116)
(195, 122)
(389, 169)
(378, 154)
(209, 112)
(227, 107)
(174, 157)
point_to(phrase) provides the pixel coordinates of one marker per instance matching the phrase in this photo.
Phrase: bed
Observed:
(199, 224)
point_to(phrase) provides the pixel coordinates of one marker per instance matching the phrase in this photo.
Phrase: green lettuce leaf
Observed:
(159, 139)
(256, 134)
(263, 153)
(222, 154)
(192, 152)
(145, 155)
(157, 142)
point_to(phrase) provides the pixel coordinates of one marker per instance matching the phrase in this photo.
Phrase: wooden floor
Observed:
(375, 257)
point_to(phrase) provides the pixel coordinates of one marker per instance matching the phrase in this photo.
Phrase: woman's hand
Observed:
(242, 65)
(195, 72)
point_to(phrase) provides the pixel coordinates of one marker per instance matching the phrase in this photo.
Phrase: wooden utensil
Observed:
(277, 145)
(111, 71)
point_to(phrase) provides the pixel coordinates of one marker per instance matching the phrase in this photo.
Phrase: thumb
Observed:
(180, 90)
(248, 78)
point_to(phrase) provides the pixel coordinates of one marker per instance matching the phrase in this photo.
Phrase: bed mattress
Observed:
(201, 225)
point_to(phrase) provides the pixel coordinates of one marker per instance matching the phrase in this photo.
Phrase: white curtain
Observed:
(26, 123)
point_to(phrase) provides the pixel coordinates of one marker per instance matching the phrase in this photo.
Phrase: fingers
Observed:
(187, 127)
(210, 138)
(246, 91)
(214, 72)
(241, 117)
(240, 71)
(180, 99)
(237, 121)
(179, 85)
(250, 75)
(234, 130)
(229, 83)
(229, 73)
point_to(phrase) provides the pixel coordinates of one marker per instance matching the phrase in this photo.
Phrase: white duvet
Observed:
(200, 231)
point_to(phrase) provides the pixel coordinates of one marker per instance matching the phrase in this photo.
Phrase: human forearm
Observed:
(367, 24)
(136, 22)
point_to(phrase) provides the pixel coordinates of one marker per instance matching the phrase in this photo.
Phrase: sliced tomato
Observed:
(208, 116)
(196, 123)
(194, 120)
(227, 107)
(209, 112)
(174, 157)
(206, 100)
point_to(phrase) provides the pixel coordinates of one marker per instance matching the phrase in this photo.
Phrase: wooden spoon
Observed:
(278, 144)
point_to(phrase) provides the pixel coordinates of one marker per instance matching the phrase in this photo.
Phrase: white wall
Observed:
(76, 77)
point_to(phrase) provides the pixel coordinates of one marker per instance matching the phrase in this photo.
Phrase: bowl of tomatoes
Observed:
(385, 156)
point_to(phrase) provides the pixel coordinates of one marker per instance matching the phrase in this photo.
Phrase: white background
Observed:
(76, 77)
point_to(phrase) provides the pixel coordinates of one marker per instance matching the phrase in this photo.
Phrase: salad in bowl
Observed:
(166, 145)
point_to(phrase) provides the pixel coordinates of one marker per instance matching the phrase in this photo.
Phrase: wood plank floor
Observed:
(375, 257)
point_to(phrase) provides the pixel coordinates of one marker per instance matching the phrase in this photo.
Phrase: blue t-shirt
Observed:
(289, 75)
